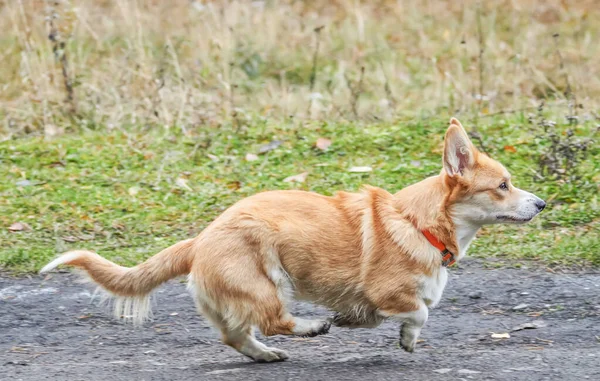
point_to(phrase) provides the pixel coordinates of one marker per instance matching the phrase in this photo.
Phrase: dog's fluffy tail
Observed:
(130, 287)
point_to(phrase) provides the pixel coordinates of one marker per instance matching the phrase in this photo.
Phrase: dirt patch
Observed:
(49, 330)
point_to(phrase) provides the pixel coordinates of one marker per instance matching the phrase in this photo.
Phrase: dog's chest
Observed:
(432, 287)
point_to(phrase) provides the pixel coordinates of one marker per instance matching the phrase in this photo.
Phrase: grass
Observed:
(183, 64)
(127, 195)
(124, 125)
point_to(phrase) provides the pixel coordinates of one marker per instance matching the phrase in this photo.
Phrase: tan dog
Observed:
(368, 256)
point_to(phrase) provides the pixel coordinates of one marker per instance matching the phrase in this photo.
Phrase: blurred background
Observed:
(108, 64)
(127, 125)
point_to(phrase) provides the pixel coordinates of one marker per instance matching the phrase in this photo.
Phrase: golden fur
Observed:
(360, 254)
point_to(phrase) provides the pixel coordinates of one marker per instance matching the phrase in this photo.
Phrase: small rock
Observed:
(225, 371)
(443, 370)
(520, 307)
(468, 371)
(475, 295)
(269, 146)
(23, 183)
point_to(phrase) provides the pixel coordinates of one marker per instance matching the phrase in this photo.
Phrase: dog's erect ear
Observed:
(459, 152)
(456, 122)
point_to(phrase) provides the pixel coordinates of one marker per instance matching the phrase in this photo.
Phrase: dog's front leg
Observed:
(411, 324)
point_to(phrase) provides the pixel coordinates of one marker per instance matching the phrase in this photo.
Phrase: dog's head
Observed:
(480, 188)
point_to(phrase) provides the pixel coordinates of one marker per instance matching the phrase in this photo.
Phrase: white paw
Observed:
(311, 328)
(408, 339)
(270, 355)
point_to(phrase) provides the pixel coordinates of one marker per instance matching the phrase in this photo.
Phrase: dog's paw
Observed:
(271, 355)
(407, 339)
(340, 320)
(322, 327)
(311, 328)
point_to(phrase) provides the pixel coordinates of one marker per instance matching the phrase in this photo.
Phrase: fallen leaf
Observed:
(323, 143)
(300, 178)
(251, 157)
(19, 226)
(69, 238)
(55, 164)
(269, 146)
(234, 185)
(19, 349)
(182, 183)
(510, 149)
(500, 336)
(83, 317)
(117, 225)
(133, 191)
(360, 169)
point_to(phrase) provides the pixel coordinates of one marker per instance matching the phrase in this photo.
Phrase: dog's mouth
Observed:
(514, 219)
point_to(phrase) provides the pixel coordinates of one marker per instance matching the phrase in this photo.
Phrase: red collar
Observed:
(447, 256)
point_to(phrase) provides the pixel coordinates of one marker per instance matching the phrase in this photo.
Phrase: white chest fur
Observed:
(432, 287)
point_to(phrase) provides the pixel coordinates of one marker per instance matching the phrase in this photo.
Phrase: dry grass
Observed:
(183, 64)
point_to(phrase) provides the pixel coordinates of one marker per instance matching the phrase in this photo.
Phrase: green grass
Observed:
(118, 193)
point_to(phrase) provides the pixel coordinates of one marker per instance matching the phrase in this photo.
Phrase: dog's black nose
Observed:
(540, 205)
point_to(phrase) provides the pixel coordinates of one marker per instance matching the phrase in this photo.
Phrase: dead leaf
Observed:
(70, 238)
(500, 335)
(117, 225)
(510, 149)
(182, 183)
(133, 191)
(19, 227)
(19, 349)
(55, 164)
(251, 157)
(300, 178)
(234, 185)
(360, 169)
(269, 146)
(323, 143)
(83, 317)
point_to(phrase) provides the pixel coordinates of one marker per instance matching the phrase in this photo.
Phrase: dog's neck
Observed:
(425, 205)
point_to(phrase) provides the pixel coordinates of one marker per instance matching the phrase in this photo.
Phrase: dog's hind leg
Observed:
(273, 319)
(242, 338)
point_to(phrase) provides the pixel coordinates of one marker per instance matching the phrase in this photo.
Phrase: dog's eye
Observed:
(503, 186)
